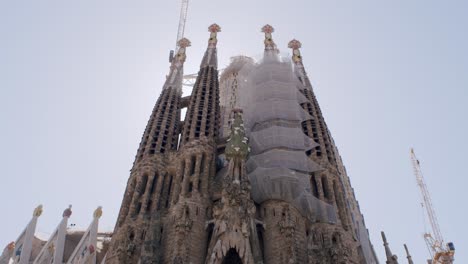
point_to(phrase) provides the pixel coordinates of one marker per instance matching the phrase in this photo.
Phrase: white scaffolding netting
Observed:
(280, 158)
(278, 167)
(277, 137)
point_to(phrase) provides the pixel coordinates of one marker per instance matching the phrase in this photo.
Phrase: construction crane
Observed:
(440, 253)
(181, 29)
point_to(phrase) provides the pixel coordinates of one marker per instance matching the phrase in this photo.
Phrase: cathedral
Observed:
(250, 175)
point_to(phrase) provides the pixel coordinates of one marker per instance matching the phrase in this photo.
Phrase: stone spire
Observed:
(195, 164)
(317, 128)
(391, 259)
(176, 70)
(271, 50)
(295, 45)
(149, 185)
(408, 256)
(202, 118)
(210, 58)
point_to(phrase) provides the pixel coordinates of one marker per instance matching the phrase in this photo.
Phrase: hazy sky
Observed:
(78, 80)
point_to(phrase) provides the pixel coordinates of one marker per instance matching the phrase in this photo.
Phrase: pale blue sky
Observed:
(78, 80)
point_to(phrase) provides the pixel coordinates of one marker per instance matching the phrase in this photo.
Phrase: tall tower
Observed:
(149, 184)
(331, 184)
(185, 236)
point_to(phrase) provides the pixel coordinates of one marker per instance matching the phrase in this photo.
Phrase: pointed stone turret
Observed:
(316, 129)
(408, 256)
(391, 259)
(162, 131)
(202, 117)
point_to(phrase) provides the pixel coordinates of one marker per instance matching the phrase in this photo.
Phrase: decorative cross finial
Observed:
(184, 42)
(268, 29)
(11, 246)
(67, 212)
(38, 211)
(269, 43)
(295, 45)
(180, 56)
(98, 212)
(213, 29)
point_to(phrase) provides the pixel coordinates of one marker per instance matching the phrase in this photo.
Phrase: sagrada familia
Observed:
(251, 175)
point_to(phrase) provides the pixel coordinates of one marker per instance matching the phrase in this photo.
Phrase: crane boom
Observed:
(182, 20)
(440, 253)
(426, 198)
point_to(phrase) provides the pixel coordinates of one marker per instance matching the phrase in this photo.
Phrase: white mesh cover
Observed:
(279, 158)
(277, 137)
(292, 187)
(278, 167)
(275, 109)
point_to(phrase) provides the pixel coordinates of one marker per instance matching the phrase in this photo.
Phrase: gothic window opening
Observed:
(169, 192)
(138, 209)
(210, 235)
(161, 193)
(148, 205)
(314, 186)
(202, 163)
(154, 183)
(192, 165)
(143, 184)
(260, 239)
(182, 166)
(326, 191)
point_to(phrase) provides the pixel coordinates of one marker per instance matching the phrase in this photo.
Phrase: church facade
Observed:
(251, 174)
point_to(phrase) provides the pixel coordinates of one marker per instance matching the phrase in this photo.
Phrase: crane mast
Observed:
(440, 253)
(182, 20)
(181, 28)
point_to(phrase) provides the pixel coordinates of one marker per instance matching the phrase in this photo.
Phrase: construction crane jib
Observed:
(440, 253)
(181, 28)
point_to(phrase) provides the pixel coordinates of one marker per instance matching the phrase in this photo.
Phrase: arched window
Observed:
(326, 190)
(314, 186)
(202, 163)
(144, 181)
(193, 161)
